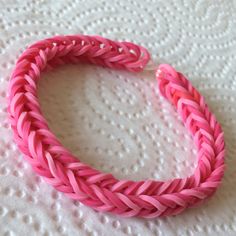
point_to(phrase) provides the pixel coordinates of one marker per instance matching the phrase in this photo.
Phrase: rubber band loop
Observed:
(79, 181)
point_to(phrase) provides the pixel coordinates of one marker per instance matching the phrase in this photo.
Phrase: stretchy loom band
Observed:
(102, 191)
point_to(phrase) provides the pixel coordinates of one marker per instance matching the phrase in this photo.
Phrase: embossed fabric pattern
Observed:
(117, 121)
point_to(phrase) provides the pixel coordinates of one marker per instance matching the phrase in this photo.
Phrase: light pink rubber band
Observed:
(102, 191)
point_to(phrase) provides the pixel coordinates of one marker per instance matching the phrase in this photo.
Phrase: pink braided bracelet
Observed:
(102, 191)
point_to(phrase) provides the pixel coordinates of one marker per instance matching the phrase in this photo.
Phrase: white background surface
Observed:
(116, 121)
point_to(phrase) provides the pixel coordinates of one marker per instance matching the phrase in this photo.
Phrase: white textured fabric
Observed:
(116, 121)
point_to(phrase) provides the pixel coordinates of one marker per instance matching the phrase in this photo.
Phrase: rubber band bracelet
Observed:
(102, 191)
